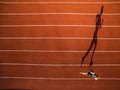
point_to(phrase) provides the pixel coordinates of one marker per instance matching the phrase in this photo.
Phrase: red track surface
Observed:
(66, 77)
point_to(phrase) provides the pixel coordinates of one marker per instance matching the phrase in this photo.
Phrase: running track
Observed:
(42, 43)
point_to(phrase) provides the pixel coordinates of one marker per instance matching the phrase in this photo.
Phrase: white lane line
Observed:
(115, 26)
(2, 2)
(58, 65)
(57, 51)
(62, 79)
(58, 14)
(58, 38)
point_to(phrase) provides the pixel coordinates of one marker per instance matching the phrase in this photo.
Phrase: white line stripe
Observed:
(61, 38)
(56, 51)
(115, 26)
(42, 78)
(59, 65)
(2, 2)
(58, 14)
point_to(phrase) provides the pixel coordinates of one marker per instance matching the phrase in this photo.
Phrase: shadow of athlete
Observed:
(99, 23)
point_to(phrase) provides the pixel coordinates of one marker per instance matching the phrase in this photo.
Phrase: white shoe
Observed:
(97, 78)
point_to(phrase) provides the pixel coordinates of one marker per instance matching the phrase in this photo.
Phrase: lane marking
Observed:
(58, 65)
(62, 79)
(58, 38)
(2, 2)
(57, 14)
(57, 51)
(115, 26)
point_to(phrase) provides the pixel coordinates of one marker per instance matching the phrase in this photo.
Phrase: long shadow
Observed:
(99, 22)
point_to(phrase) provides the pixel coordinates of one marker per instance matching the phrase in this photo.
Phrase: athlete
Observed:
(91, 73)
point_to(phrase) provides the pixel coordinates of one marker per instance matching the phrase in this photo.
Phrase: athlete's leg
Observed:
(83, 73)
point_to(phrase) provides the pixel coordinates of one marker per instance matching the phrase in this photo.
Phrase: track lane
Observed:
(55, 71)
(58, 8)
(58, 58)
(64, 85)
(57, 32)
(57, 20)
(58, 45)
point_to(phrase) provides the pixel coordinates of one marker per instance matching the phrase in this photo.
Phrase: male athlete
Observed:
(91, 73)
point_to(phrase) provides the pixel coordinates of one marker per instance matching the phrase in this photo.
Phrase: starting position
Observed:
(91, 73)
